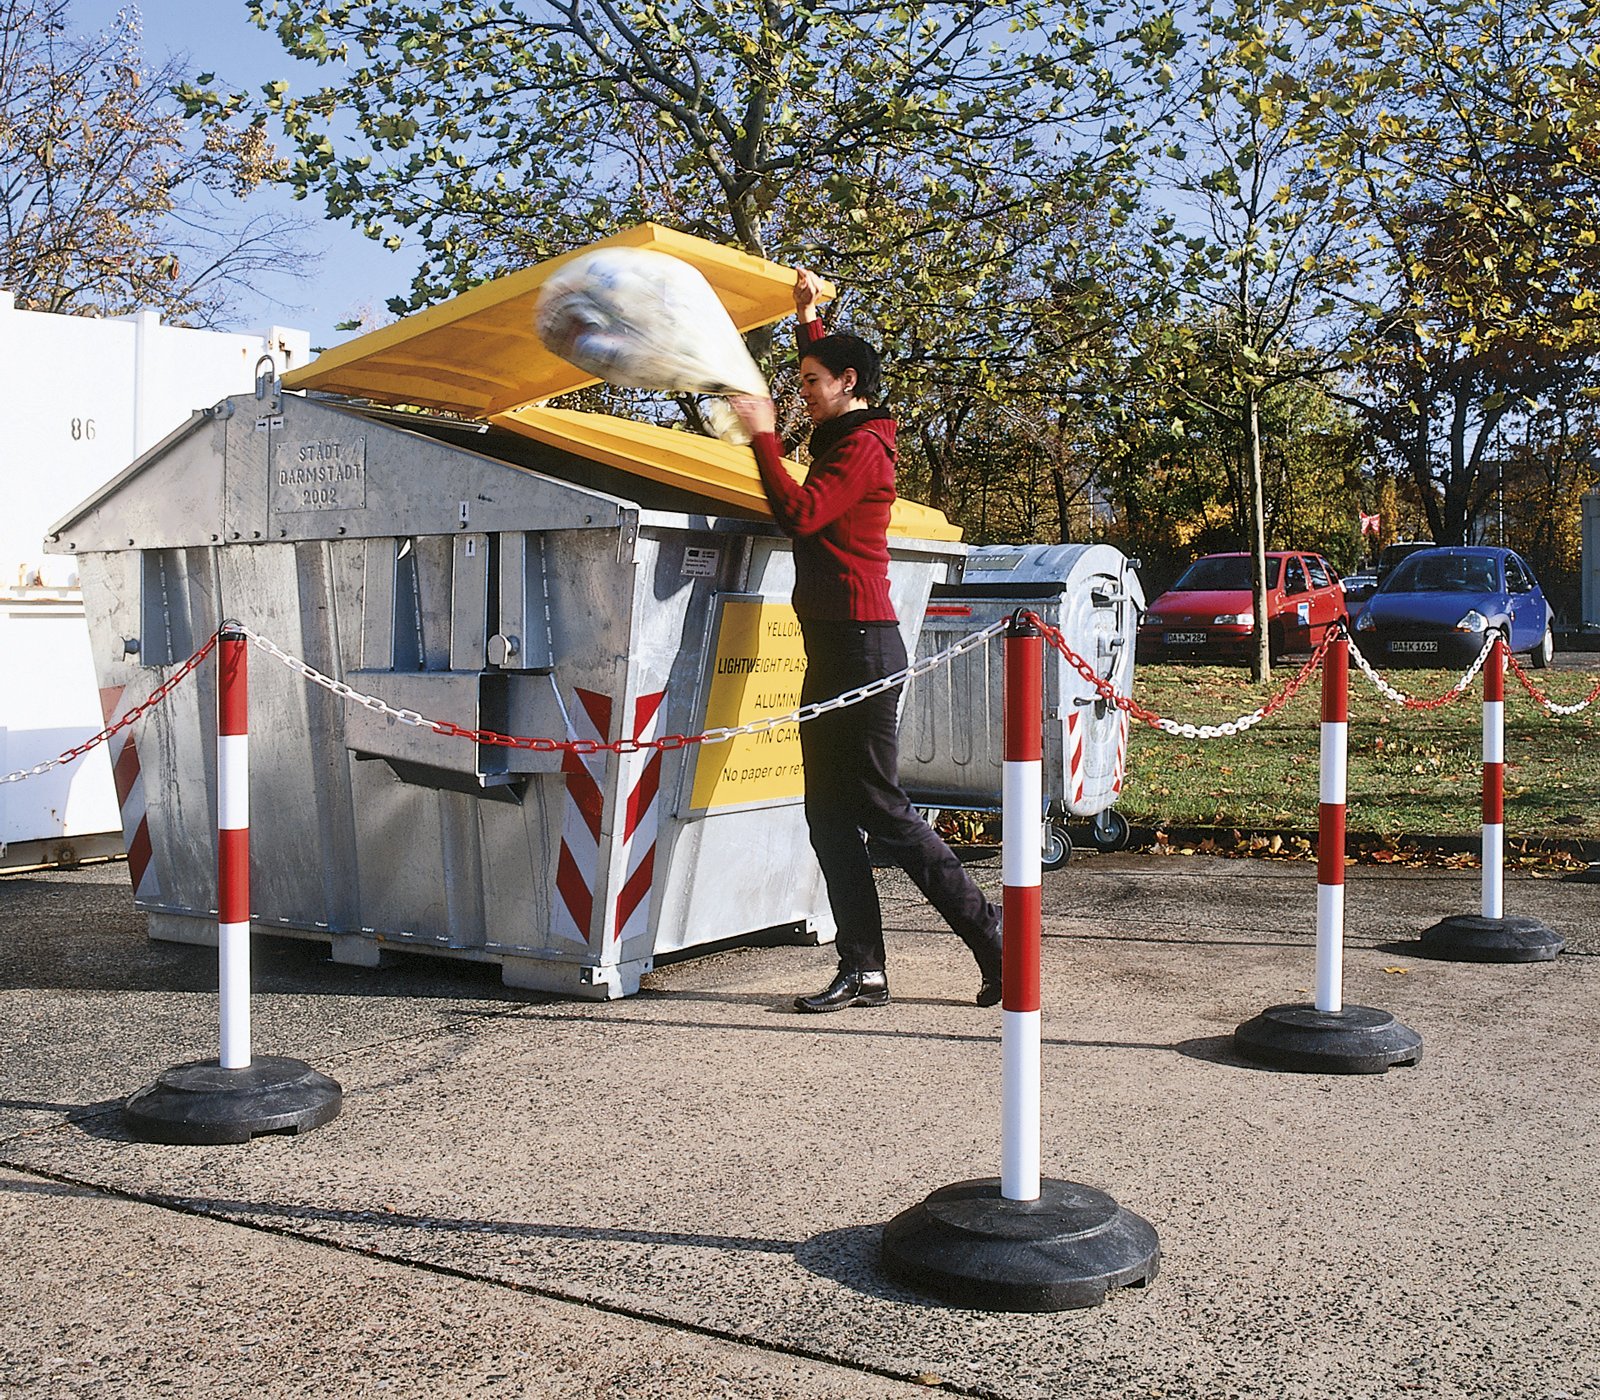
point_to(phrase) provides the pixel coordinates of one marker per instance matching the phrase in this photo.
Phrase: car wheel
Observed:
(1057, 848)
(1543, 654)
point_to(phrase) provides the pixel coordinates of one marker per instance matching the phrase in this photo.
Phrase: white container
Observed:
(84, 396)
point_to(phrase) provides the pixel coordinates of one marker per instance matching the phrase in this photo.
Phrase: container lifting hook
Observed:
(266, 378)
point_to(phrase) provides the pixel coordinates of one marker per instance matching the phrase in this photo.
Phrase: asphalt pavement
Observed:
(682, 1193)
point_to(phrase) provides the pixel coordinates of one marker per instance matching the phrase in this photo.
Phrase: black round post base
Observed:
(1356, 1040)
(968, 1245)
(1478, 938)
(200, 1102)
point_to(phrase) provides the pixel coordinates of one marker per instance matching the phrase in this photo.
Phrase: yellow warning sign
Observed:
(756, 668)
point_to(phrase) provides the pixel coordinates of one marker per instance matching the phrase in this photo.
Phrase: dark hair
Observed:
(841, 352)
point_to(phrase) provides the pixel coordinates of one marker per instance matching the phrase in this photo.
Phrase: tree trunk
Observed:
(1261, 666)
(1058, 482)
(935, 449)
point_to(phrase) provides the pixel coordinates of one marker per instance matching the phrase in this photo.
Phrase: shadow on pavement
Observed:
(289, 1214)
(850, 1257)
(841, 1024)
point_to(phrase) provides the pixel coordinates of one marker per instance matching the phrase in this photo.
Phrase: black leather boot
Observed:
(990, 988)
(848, 989)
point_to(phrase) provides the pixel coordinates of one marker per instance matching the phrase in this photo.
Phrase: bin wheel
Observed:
(1057, 849)
(1110, 831)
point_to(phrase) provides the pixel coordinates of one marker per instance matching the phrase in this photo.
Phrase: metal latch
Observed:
(1103, 599)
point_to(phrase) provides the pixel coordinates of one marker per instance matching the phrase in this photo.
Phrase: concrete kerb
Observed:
(698, 1167)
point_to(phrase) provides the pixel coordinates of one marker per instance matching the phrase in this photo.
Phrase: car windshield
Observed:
(1223, 573)
(1444, 573)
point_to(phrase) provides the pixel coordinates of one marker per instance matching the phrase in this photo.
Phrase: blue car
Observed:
(1437, 607)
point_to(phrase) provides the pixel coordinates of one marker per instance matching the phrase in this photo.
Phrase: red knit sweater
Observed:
(838, 518)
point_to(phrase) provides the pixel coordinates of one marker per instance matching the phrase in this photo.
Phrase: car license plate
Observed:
(1427, 648)
(1184, 639)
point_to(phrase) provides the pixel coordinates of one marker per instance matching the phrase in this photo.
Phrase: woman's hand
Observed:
(758, 415)
(807, 289)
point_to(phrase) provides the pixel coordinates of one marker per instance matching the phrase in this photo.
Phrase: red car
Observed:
(1207, 615)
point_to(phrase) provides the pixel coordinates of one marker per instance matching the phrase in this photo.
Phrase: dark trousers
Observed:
(853, 786)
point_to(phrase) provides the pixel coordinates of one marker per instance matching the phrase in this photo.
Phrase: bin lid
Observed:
(1048, 565)
(478, 354)
(702, 465)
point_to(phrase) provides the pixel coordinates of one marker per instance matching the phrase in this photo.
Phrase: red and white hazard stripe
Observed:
(1075, 728)
(1494, 781)
(640, 780)
(233, 849)
(129, 781)
(1121, 771)
(1334, 773)
(1077, 724)
(1022, 809)
(579, 865)
(588, 861)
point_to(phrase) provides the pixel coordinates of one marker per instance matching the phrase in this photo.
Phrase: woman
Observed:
(839, 519)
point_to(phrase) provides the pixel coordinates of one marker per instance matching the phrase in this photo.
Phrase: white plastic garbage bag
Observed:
(645, 320)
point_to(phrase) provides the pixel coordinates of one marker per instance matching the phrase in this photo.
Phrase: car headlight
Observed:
(1366, 622)
(1474, 621)
(1234, 620)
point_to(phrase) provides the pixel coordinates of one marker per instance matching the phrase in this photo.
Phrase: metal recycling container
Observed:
(951, 731)
(538, 573)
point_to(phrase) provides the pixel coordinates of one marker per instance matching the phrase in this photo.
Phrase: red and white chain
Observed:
(1411, 702)
(1178, 730)
(626, 745)
(1541, 698)
(159, 694)
(722, 734)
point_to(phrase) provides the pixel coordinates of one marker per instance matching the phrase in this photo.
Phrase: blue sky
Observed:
(355, 274)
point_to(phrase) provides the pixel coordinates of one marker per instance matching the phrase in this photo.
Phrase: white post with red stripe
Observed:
(1022, 809)
(1021, 1244)
(1333, 779)
(1329, 1036)
(1494, 781)
(233, 849)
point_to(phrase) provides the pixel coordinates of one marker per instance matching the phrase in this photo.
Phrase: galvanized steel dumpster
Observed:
(545, 573)
(951, 752)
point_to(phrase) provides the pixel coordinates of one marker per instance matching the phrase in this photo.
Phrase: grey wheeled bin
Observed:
(507, 568)
(951, 732)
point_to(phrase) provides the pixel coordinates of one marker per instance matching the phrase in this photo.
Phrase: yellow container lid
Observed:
(706, 466)
(478, 354)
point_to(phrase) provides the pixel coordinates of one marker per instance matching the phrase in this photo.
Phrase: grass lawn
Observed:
(1413, 773)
